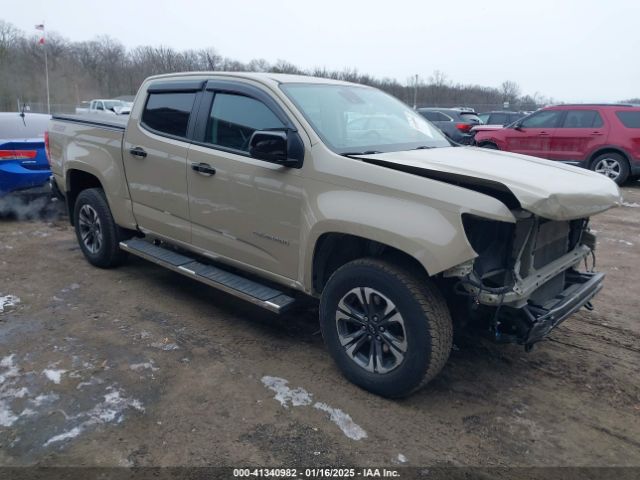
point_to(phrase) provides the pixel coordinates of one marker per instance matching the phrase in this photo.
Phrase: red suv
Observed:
(604, 138)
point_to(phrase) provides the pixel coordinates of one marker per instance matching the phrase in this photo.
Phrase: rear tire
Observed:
(613, 166)
(388, 354)
(489, 145)
(96, 231)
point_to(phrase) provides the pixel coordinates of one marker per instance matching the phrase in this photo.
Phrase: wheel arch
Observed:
(76, 181)
(607, 149)
(334, 249)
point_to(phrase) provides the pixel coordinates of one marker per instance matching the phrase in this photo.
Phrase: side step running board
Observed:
(241, 287)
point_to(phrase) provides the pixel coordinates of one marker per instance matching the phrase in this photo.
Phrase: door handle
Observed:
(203, 168)
(596, 133)
(544, 134)
(138, 152)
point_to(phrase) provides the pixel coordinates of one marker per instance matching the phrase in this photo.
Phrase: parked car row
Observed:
(455, 123)
(602, 137)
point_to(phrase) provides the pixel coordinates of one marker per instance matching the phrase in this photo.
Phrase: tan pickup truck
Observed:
(276, 188)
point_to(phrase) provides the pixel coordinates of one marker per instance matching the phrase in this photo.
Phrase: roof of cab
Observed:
(273, 78)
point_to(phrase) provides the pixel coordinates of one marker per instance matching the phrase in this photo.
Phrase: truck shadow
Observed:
(477, 369)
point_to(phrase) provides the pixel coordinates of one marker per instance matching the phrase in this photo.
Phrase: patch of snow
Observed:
(11, 367)
(165, 346)
(618, 240)
(55, 375)
(42, 399)
(343, 421)
(144, 366)
(8, 301)
(284, 394)
(298, 397)
(92, 381)
(11, 370)
(401, 458)
(74, 432)
(7, 417)
(110, 410)
(631, 205)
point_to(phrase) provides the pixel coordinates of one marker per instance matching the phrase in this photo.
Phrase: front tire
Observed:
(613, 166)
(96, 231)
(387, 328)
(489, 145)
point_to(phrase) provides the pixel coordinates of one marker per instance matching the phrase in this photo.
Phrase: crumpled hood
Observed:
(546, 188)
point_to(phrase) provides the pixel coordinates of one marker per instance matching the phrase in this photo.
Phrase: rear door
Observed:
(581, 132)
(243, 209)
(155, 158)
(533, 137)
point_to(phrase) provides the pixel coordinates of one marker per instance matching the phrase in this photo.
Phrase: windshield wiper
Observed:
(423, 147)
(366, 152)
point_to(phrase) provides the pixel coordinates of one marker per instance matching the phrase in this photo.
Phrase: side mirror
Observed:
(517, 126)
(283, 147)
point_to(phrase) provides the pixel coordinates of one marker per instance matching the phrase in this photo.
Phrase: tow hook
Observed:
(588, 306)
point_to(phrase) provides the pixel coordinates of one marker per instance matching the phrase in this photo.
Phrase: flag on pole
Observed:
(40, 26)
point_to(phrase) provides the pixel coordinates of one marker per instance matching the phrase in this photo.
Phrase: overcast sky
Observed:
(571, 50)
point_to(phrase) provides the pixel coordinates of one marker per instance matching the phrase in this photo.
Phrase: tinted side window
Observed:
(582, 119)
(629, 119)
(234, 118)
(498, 119)
(436, 116)
(484, 117)
(168, 112)
(544, 119)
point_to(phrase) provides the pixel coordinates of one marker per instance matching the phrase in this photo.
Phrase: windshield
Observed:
(109, 104)
(354, 119)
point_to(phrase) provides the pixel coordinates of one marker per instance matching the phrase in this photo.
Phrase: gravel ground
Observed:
(139, 366)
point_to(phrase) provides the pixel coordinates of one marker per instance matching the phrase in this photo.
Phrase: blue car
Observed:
(23, 161)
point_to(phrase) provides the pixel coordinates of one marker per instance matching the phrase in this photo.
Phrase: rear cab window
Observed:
(629, 119)
(168, 112)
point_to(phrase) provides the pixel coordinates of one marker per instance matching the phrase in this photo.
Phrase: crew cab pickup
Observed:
(273, 189)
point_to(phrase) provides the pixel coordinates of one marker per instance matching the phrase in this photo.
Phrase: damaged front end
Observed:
(528, 276)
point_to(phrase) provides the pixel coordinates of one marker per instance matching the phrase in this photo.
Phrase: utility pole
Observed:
(415, 93)
(43, 42)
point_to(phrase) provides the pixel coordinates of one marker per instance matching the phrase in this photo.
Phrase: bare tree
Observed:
(103, 67)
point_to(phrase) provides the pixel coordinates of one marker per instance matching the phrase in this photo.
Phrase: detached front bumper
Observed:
(523, 288)
(582, 288)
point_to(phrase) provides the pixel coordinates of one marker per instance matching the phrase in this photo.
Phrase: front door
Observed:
(155, 159)
(243, 209)
(533, 137)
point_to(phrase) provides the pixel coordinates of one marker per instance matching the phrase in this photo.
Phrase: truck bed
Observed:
(97, 119)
